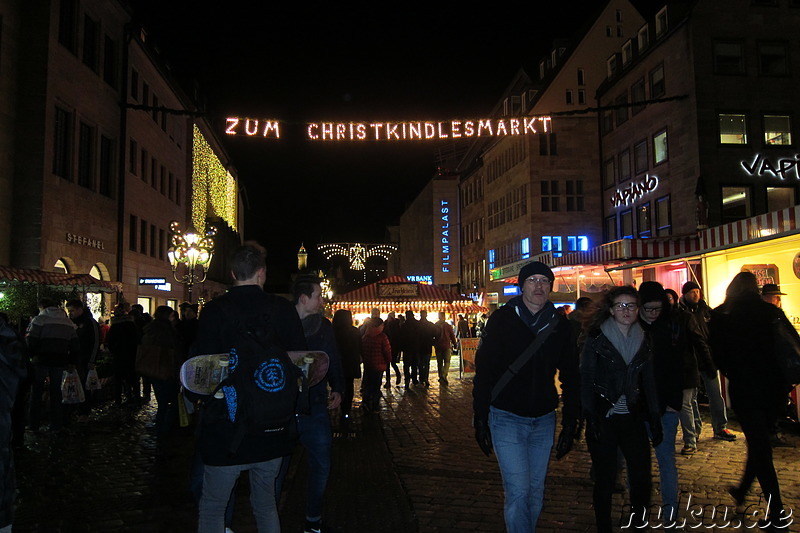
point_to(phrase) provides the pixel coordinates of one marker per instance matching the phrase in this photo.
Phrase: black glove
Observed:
(566, 437)
(656, 432)
(483, 435)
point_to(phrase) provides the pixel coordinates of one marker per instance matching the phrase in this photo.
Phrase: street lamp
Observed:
(192, 250)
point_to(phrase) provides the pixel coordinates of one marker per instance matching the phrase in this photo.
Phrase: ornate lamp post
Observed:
(192, 250)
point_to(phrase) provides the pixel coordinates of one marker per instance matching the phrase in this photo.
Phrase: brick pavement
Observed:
(413, 467)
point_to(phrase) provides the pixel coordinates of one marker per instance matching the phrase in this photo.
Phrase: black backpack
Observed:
(260, 393)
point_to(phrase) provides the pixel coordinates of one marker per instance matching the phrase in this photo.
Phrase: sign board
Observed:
(467, 347)
(152, 281)
(398, 290)
(764, 273)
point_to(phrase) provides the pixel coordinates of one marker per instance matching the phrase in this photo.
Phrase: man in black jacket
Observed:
(259, 453)
(518, 419)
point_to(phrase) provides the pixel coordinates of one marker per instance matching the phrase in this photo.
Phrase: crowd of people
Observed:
(630, 367)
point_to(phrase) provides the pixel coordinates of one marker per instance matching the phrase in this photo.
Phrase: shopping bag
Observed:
(183, 414)
(92, 380)
(71, 388)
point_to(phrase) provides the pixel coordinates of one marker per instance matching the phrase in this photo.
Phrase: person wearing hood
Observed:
(522, 346)
(53, 346)
(376, 354)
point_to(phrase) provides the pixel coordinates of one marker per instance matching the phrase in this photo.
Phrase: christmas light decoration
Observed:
(357, 253)
(212, 186)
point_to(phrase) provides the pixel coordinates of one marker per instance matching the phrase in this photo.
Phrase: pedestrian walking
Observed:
(348, 341)
(444, 341)
(618, 397)
(522, 346)
(376, 354)
(743, 336)
(159, 335)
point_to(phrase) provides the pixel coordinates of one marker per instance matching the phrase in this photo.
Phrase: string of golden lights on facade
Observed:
(212, 186)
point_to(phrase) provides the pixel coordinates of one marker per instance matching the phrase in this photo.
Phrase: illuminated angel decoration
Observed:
(357, 253)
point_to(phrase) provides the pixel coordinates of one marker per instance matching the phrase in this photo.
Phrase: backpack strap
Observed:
(524, 357)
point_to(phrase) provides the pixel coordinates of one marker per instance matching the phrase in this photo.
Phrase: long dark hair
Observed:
(604, 311)
(342, 318)
(743, 285)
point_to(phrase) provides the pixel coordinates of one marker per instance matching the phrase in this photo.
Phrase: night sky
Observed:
(298, 62)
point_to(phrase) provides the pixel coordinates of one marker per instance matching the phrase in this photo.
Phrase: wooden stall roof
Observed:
(84, 282)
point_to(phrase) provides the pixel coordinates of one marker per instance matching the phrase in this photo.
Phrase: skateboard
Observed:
(202, 374)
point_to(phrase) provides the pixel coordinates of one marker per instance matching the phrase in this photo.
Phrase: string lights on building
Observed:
(212, 186)
(357, 253)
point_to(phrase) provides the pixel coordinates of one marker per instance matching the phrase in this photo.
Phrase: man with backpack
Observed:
(259, 328)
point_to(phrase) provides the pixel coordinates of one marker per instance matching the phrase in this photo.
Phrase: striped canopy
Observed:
(82, 282)
(428, 297)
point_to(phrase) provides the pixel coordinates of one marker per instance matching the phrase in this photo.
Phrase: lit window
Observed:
(552, 244)
(526, 248)
(491, 259)
(777, 129)
(732, 129)
(735, 203)
(660, 152)
(577, 243)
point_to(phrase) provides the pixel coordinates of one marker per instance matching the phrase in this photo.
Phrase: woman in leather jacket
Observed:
(618, 393)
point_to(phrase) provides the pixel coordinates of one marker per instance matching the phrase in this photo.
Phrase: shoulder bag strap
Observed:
(526, 356)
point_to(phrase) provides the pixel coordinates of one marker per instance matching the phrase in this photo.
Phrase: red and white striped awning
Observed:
(761, 227)
(82, 282)
(430, 298)
(626, 250)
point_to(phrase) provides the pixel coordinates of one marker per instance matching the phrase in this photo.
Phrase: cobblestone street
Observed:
(412, 467)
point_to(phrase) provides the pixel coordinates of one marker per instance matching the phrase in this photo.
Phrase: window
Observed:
(145, 161)
(643, 220)
(133, 156)
(581, 96)
(550, 195)
(86, 156)
(153, 241)
(91, 41)
(575, 198)
(178, 192)
(777, 130)
(611, 228)
(68, 24)
(62, 144)
(581, 77)
(735, 203)
(611, 66)
(490, 258)
(163, 181)
(145, 94)
(110, 62)
(661, 22)
(663, 216)
(643, 37)
(626, 224)
(153, 172)
(780, 198)
(621, 108)
(154, 111)
(772, 59)
(106, 165)
(133, 239)
(171, 189)
(142, 236)
(577, 243)
(638, 95)
(640, 161)
(552, 244)
(624, 165)
(732, 129)
(728, 58)
(608, 121)
(569, 97)
(553, 137)
(135, 84)
(162, 243)
(525, 248)
(660, 151)
(657, 87)
(627, 52)
(608, 174)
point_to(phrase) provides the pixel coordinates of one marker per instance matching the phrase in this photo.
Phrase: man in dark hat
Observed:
(514, 394)
(693, 302)
(771, 293)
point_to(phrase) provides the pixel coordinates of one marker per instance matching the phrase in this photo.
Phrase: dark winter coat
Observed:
(532, 392)
(702, 349)
(319, 335)
(89, 337)
(12, 371)
(52, 338)
(605, 377)
(348, 340)
(217, 334)
(122, 339)
(742, 340)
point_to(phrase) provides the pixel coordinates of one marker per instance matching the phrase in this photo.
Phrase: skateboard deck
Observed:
(202, 374)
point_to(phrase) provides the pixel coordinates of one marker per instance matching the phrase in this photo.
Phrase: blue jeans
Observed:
(317, 439)
(719, 418)
(522, 446)
(667, 469)
(689, 424)
(218, 483)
